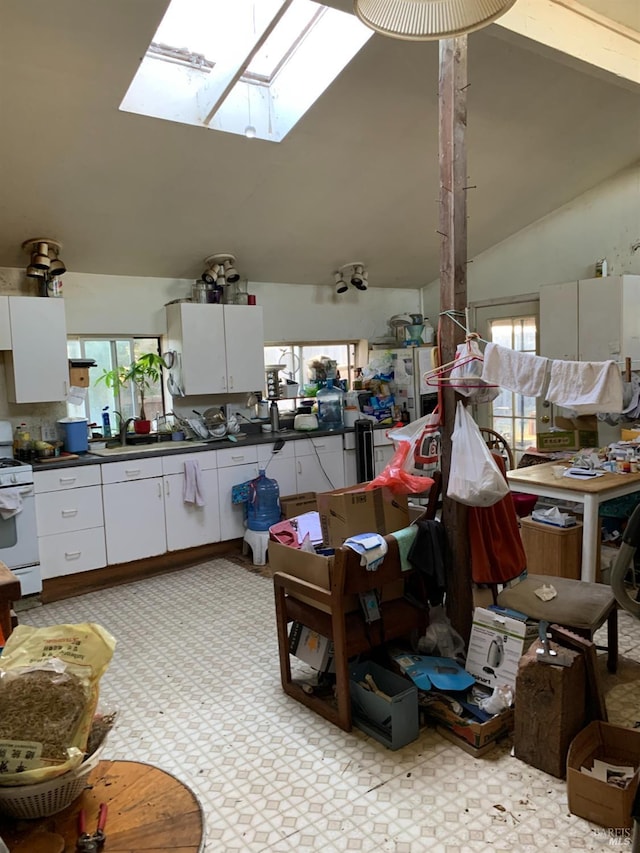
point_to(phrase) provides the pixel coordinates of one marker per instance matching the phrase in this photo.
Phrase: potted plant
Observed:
(144, 373)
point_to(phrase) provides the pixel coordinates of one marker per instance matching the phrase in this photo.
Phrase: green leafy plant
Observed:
(144, 373)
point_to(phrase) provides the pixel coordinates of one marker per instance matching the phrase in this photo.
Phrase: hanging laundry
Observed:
(586, 387)
(497, 553)
(521, 372)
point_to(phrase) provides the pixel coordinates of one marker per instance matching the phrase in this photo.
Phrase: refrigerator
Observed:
(409, 366)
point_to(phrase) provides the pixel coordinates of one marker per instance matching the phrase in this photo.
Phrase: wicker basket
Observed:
(47, 798)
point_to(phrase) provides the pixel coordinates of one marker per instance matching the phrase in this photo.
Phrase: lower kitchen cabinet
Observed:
(319, 464)
(134, 516)
(187, 524)
(235, 465)
(69, 514)
(280, 466)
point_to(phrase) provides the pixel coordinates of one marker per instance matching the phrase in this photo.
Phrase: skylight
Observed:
(251, 67)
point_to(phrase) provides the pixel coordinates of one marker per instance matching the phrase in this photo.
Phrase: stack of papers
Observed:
(614, 774)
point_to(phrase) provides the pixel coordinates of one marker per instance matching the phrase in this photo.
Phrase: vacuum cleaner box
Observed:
(496, 645)
(345, 512)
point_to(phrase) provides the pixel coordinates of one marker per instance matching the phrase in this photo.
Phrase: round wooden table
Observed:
(148, 809)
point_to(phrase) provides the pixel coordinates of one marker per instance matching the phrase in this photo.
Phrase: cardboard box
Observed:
(345, 512)
(316, 569)
(292, 505)
(589, 798)
(311, 647)
(393, 722)
(496, 644)
(567, 439)
(476, 734)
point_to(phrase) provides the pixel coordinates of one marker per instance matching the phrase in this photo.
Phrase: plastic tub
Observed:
(75, 434)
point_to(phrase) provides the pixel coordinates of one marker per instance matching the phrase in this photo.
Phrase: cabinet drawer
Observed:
(136, 469)
(76, 509)
(207, 460)
(237, 456)
(265, 451)
(67, 478)
(321, 444)
(69, 553)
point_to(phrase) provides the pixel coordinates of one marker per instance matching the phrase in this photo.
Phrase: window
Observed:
(251, 67)
(307, 364)
(109, 353)
(513, 415)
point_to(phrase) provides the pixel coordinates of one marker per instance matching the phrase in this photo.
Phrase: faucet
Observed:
(123, 426)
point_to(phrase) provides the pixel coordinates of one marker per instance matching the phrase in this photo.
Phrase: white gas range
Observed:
(18, 529)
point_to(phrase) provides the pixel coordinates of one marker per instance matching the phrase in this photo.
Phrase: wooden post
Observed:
(452, 97)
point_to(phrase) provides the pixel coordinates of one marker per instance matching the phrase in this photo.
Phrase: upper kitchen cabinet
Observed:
(221, 347)
(36, 366)
(594, 319)
(5, 325)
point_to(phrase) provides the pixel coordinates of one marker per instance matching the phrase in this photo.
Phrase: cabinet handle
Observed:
(72, 555)
(159, 489)
(230, 383)
(132, 472)
(223, 383)
(64, 480)
(238, 458)
(69, 513)
(299, 467)
(167, 488)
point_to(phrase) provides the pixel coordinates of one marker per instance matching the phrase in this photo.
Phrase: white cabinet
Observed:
(235, 465)
(383, 450)
(280, 466)
(592, 319)
(187, 524)
(319, 464)
(133, 497)
(5, 325)
(69, 514)
(37, 366)
(220, 347)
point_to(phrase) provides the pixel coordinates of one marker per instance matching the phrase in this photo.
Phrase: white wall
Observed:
(564, 246)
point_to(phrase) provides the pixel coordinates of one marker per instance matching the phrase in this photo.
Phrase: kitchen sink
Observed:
(156, 447)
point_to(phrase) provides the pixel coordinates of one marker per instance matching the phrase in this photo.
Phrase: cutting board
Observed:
(62, 458)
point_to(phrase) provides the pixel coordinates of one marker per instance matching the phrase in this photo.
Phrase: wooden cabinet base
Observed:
(68, 586)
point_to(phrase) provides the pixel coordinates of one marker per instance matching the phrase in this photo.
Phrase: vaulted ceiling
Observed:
(357, 178)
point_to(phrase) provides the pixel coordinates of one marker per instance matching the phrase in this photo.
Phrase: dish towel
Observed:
(522, 372)
(405, 539)
(193, 492)
(587, 387)
(370, 546)
(10, 503)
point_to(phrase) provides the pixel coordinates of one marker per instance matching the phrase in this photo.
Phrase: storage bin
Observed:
(394, 723)
(75, 434)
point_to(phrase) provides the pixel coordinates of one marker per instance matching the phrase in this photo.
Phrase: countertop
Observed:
(164, 448)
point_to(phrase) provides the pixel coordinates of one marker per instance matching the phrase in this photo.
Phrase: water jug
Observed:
(263, 506)
(330, 401)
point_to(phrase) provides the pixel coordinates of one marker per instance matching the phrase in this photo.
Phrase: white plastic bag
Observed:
(474, 476)
(466, 374)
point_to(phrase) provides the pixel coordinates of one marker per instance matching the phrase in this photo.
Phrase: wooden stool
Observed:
(258, 541)
(582, 606)
(148, 809)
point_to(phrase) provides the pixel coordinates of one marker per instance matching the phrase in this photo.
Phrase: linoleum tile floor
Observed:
(195, 681)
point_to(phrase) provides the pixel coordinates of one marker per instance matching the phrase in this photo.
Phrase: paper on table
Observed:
(309, 523)
(582, 474)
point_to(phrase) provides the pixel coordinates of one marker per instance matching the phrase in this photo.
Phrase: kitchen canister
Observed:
(75, 434)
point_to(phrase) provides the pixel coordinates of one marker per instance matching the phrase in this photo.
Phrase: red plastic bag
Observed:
(417, 455)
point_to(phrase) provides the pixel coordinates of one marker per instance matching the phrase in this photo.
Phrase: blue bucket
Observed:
(75, 434)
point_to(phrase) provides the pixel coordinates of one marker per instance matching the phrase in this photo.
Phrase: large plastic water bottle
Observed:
(330, 401)
(263, 506)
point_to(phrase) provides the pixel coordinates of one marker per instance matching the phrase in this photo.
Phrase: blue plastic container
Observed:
(263, 506)
(75, 434)
(330, 400)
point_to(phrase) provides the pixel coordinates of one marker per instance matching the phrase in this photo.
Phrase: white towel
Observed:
(193, 492)
(521, 372)
(10, 503)
(587, 387)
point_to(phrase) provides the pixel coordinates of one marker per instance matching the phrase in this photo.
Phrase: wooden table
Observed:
(539, 480)
(148, 810)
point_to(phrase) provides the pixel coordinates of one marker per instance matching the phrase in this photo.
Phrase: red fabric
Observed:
(496, 548)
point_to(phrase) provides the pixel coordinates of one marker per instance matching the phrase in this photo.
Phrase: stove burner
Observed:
(10, 463)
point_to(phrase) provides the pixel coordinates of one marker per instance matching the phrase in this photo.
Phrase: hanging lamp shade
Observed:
(426, 20)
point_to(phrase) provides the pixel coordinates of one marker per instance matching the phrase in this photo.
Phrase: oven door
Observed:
(19, 543)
